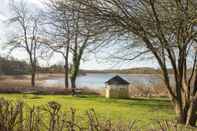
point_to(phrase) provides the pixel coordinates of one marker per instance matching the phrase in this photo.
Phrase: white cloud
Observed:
(39, 3)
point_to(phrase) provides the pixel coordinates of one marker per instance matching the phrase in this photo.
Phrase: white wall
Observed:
(116, 91)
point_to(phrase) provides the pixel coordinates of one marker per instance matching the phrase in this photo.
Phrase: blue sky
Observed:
(92, 61)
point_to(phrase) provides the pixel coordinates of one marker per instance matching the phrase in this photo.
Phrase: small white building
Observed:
(117, 87)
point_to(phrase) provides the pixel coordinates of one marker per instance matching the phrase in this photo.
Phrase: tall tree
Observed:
(83, 42)
(25, 23)
(168, 29)
(60, 31)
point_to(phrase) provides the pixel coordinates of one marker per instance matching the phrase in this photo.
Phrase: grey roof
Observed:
(117, 80)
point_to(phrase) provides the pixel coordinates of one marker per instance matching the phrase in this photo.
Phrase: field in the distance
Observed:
(144, 110)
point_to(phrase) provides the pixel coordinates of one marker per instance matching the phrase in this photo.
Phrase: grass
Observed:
(142, 109)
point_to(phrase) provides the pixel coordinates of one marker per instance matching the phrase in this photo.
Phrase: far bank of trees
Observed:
(12, 66)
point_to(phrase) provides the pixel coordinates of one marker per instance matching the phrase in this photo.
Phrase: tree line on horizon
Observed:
(12, 66)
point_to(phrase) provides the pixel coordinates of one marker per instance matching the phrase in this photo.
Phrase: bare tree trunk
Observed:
(33, 76)
(73, 85)
(66, 84)
(75, 70)
(186, 111)
(181, 115)
(192, 111)
(192, 116)
(33, 71)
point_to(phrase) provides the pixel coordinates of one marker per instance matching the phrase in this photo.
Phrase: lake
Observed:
(97, 80)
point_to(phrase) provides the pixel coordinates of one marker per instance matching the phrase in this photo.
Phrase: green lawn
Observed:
(144, 110)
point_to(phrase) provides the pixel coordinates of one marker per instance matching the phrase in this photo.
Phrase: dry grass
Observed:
(27, 77)
(24, 80)
(158, 90)
(8, 83)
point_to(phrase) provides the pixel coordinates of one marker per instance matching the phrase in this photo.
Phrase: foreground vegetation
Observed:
(48, 115)
(145, 111)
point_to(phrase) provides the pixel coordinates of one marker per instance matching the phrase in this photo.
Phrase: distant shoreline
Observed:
(127, 71)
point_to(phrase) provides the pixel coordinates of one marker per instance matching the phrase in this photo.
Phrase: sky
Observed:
(91, 62)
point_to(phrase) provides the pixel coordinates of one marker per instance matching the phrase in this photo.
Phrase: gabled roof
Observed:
(117, 80)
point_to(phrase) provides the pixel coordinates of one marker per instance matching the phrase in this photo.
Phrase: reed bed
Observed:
(157, 90)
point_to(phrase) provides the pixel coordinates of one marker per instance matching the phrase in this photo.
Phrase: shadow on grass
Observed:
(153, 104)
(82, 96)
(35, 97)
(32, 96)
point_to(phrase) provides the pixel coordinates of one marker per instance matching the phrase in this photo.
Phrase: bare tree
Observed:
(60, 31)
(26, 34)
(84, 40)
(167, 28)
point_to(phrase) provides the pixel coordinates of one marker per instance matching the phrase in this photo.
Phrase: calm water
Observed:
(97, 80)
